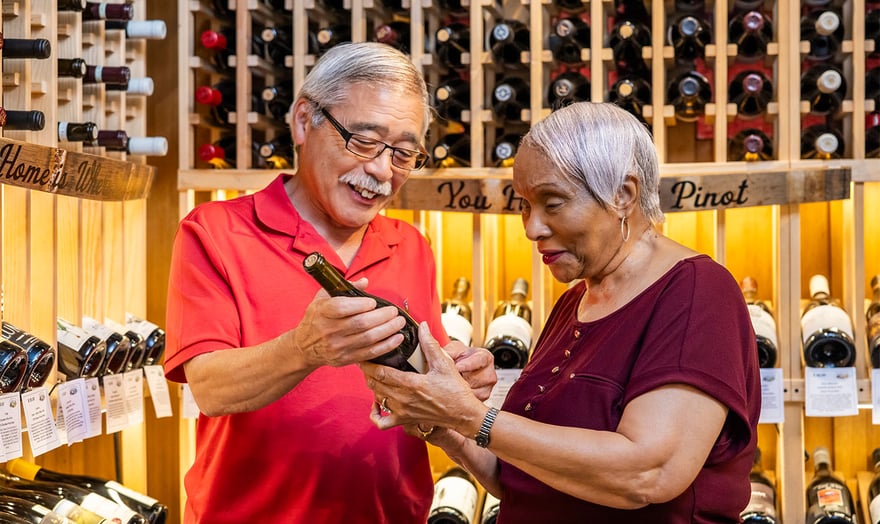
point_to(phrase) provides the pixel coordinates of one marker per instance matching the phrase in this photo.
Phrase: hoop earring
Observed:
(624, 228)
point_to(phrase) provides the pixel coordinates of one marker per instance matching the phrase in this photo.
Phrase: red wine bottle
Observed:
(278, 152)
(632, 94)
(40, 355)
(822, 142)
(627, 39)
(569, 38)
(220, 98)
(109, 76)
(823, 29)
(828, 498)
(11, 120)
(824, 87)
(332, 35)
(751, 145)
(689, 92)
(395, 34)
(25, 48)
(108, 11)
(77, 131)
(453, 150)
(505, 149)
(80, 354)
(139, 29)
(751, 91)
(72, 67)
(278, 98)
(510, 98)
(452, 42)
(279, 44)
(508, 41)
(451, 98)
(688, 36)
(567, 88)
(751, 31)
(118, 140)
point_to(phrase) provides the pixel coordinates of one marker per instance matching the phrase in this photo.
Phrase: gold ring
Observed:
(384, 405)
(423, 433)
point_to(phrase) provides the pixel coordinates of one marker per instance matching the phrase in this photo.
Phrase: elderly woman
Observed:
(641, 398)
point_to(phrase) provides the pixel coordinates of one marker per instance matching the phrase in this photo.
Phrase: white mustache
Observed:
(365, 181)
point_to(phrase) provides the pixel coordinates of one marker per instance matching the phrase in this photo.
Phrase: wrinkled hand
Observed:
(476, 365)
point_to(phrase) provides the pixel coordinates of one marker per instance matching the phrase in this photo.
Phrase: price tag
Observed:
(831, 392)
(189, 408)
(42, 433)
(772, 399)
(10, 427)
(134, 396)
(158, 390)
(72, 405)
(875, 396)
(93, 404)
(114, 396)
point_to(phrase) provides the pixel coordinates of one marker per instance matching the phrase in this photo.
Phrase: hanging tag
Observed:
(42, 433)
(114, 396)
(10, 427)
(772, 399)
(831, 392)
(158, 390)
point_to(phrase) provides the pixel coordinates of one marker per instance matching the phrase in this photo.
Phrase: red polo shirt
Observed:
(313, 455)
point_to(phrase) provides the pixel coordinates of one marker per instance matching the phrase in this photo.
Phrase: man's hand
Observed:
(476, 365)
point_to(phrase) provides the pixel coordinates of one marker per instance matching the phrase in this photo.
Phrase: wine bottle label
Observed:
(823, 317)
(456, 493)
(457, 327)
(417, 360)
(763, 323)
(490, 506)
(510, 325)
(107, 508)
(94, 327)
(130, 493)
(874, 510)
(140, 326)
(762, 501)
(77, 513)
(71, 335)
(830, 497)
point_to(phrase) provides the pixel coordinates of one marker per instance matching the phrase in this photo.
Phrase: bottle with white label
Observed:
(118, 346)
(761, 508)
(456, 312)
(874, 489)
(455, 498)
(79, 354)
(827, 329)
(153, 335)
(509, 335)
(762, 322)
(872, 315)
(491, 506)
(828, 498)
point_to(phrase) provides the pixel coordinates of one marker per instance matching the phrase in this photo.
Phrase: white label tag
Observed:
(72, 404)
(158, 390)
(10, 427)
(831, 392)
(93, 404)
(114, 396)
(875, 396)
(189, 408)
(134, 396)
(42, 433)
(772, 397)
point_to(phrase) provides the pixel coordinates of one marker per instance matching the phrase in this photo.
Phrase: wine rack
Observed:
(800, 216)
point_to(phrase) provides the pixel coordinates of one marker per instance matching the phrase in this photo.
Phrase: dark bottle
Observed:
(634, 10)
(872, 135)
(71, 67)
(826, 329)
(567, 88)
(220, 99)
(824, 31)
(822, 142)
(71, 5)
(451, 98)
(505, 149)
(408, 355)
(689, 92)
(632, 94)
(510, 98)
(569, 38)
(278, 152)
(491, 506)
(11, 120)
(221, 45)
(762, 322)
(221, 154)
(872, 86)
(79, 354)
(751, 145)
(453, 150)
(690, 6)
(67, 509)
(455, 498)
(874, 488)
(25, 48)
(279, 44)
(330, 36)
(118, 349)
(13, 366)
(509, 334)
(455, 7)
(828, 499)
(456, 312)
(873, 323)
(118, 140)
(278, 99)
(77, 131)
(762, 503)
(138, 353)
(507, 41)
(117, 76)
(395, 34)
(872, 29)
(751, 91)
(452, 43)
(751, 31)
(107, 11)
(14, 510)
(40, 355)
(154, 511)
(139, 29)
(688, 36)
(746, 5)
(627, 41)
(572, 6)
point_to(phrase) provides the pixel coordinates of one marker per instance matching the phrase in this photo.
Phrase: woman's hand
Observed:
(476, 365)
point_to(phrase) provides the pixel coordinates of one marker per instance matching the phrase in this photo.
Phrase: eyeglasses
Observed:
(370, 148)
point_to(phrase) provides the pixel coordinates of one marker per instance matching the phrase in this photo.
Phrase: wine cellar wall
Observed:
(762, 90)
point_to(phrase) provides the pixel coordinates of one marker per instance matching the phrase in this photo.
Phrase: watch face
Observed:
(482, 440)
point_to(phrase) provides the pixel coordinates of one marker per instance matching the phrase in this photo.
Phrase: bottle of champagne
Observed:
(510, 98)
(823, 29)
(567, 88)
(453, 150)
(455, 498)
(108, 11)
(874, 488)
(118, 140)
(505, 149)
(822, 142)
(80, 354)
(25, 48)
(627, 39)
(509, 334)
(15, 510)
(153, 335)
(452, 43)
(139, 29)
(824, 87)
(40, 355)
(507, 42)
(451, 98)
(632, 94)
(152, 509)
(762, 503)
(13, 366)
(491, 506)
(118, 348)
(688, 36)
(569, 38)
(72, 67)
(762, 322)
(873, 317)
(750, 144)
(11, 120)
(456, 313)
(408, 355)
(689, 92)
(826, 329)
(751, 31)
(828, 499)
(751, 91)
(77, 131)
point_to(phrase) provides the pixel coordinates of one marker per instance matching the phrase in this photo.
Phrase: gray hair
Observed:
(598, 145)
(374, 63)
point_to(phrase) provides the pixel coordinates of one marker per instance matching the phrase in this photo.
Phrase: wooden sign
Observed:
(70, 173)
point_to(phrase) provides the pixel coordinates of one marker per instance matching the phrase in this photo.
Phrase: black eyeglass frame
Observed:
(420, 156)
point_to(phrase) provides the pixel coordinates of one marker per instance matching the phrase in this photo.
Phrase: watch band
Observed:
(482, 436)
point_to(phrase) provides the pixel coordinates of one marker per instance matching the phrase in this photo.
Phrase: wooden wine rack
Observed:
(804, 217)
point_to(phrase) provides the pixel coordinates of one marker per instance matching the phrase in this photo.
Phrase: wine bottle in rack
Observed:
(71, 5)
(278, 98)
(826, 329)
(451, 98)
(139, 29)
(874, 488)
(408, 355)
(108, 11)
(822, 142)
(394, 33)
(69, 510)
(456, 312)
(761, 508)
(153, 335)
(688, 36)
(872, 86)
(454, 7)
(510, 98)
(453, 150)
(632, 94)
(77, 131)
(505, 149)
(634, 10)
(567, 88)
(751, 91)
(118, 76)
(750, 145)
(118, 140)
(508, 41)
(79, 354)
(751, 31)
(220, 44)
(455, 498)
(571, 6)
(72, 67)
(824, 31)
(220, 98)
(221, 153)
(828, 498)
(509, 334)
(762, 322)
(11, 120)
(279, 44)
(138, 344)
(872, 29)
(25, 48)
(332, 35)
(14, 510)
(872, 315)
(13, 366)
(40, 355)
(569, 38)
(689, 92)
(154, 511)
(142, 86)
(278, 152)
(118, 348)
(491, 506)
(452, 43)
(627, 40)
(872, 135)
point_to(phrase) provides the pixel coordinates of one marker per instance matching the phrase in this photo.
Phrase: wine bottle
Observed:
(153, 335)
(152, 509)
(332, 35)
(40, 355)
(455, 7)
(872, 86)
(508, 41)
(455, 498)
(220, 45)
(751, 145)
(569, 38)
(77, 131)
(826, 329)
(65, 508)
(872, 135)
(762, 322)
(509, 335)
(510, 98)
(761, 508)
(872, 314)
(138, 345)
(572, 6)
(872, 30)
(142, 86)
(453, 150)
(71, 67)
(221, 153)
(874, 488)
(71, 5)
(408, 355)
(451, 98)
(567, 88)
(116, 76)
(751, 91)
(118, 140)
(456, 313)
(451, 44)
(634, 10)
(824, 87)
(13, 366)
(828, 499)
(505, 149)
(80, 354)
(751, 31)
(690, 6)
(278, 152)
(278, 99)
(822, 142)
(139, 29)
(279, 44)
(627, 40)
(632, 94)
(688, 36)
(118, 348)
(395, 34)
(745, 5)
(220, 99)
(689, 92)
(107, 11)
(491, 506)
(11, 120)
(14, 510)
(25, 48)
(823, 29)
